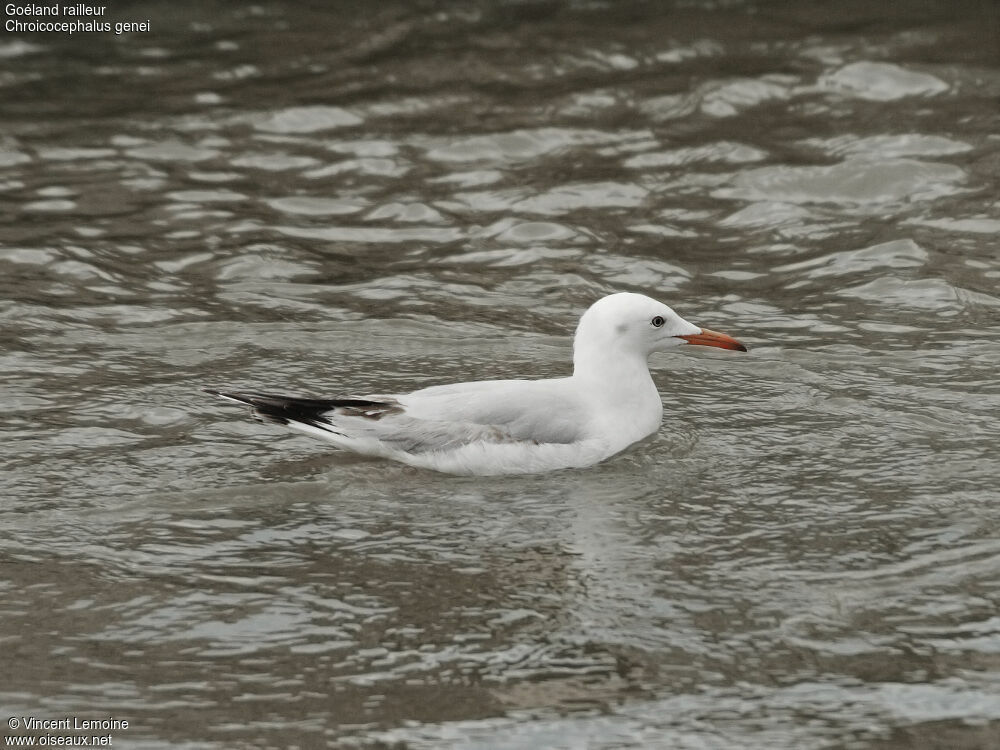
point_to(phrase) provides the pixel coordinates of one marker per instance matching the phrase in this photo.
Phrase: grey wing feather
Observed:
(439, 418)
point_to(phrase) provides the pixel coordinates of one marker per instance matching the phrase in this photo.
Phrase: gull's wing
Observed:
(441, 418)
(537, 411)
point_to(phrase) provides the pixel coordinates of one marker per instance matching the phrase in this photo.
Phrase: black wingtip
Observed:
(271, 407)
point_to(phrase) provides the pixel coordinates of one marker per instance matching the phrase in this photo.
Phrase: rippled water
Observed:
(358, 197)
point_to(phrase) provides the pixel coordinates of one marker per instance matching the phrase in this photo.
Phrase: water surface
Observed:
(348, 198)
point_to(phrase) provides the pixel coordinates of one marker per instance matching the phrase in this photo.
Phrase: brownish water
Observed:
(356, 197)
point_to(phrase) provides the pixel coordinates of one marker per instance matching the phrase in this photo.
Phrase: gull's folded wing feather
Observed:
(440, 418)
(539, 411)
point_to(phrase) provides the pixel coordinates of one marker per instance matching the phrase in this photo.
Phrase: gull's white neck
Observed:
(609, 364)
(619, 379)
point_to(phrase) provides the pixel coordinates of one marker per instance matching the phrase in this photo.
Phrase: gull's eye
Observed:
(657, 321)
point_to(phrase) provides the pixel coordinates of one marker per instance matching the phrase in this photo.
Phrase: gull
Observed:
(493, 427)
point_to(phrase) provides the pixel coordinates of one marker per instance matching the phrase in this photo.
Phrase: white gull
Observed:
(513, 426)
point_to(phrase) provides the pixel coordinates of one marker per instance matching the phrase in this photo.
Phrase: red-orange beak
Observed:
(714, 338)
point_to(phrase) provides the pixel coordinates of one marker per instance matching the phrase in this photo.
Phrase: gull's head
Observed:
(627, 323)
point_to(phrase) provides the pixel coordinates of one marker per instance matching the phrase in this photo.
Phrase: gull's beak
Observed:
(714, 338)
